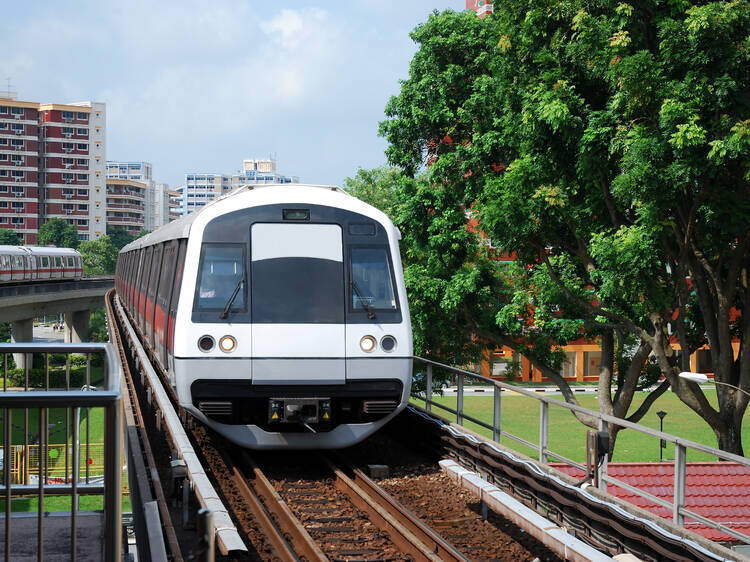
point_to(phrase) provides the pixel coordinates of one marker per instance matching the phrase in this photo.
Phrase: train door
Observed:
(297, 304)
(31, 267)
(175, 298)
(18, 268)
(143, 289)
(4, 267)
(44, 267)
(153, 285)
(57, 267)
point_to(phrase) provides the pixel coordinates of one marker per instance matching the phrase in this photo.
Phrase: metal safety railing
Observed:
(544, 453)
(56, 391)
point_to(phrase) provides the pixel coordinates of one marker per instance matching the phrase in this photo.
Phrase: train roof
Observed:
(256, 195)
(37, 250)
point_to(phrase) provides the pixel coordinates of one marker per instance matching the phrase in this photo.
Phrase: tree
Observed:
(57, 232)
(10, 237)
(99, 256)
(608, 149)
(119, 237)
(376, 187)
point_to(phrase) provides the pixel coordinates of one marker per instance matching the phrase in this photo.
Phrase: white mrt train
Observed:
(279, 314)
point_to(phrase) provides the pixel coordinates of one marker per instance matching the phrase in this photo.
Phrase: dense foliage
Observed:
(10, 237)
(99, 256)
(606, 148)
(57, 232)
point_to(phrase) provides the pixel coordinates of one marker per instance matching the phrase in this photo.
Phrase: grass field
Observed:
(567, 436)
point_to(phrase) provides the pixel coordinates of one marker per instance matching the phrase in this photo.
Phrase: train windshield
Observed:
(371, 280)
(222, 269)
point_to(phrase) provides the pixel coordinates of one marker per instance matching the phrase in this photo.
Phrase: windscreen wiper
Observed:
(370, 313)
(225, 312)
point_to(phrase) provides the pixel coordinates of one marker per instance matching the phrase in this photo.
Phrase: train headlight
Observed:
(206, 343)
(367, 344)
(227, 344)
(388, 343)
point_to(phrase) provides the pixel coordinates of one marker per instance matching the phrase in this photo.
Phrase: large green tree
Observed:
(10, 237)
(608, 147)
(57, 232)
(99, 256)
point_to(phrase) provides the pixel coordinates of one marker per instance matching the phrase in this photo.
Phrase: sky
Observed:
(198, 86)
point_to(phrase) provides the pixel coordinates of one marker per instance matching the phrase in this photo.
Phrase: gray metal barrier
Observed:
(88, 376)
(677, 505)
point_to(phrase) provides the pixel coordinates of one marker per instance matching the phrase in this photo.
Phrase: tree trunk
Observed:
(730, 440)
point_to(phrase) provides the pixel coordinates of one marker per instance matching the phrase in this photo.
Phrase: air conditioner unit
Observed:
(68, 150)
(19, 210)
(18, 194)
(19, 131)
(68, 196)
(69, 212)
(19, 162)
(68, 181)
(67, 135)
(17, 179)
(17, 116)
(18, 147)
(68, 165)
(68, 119)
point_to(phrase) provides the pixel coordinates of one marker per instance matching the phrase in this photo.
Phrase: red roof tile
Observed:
(716, 490)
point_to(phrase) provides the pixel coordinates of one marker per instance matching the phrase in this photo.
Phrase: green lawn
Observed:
(567, 436)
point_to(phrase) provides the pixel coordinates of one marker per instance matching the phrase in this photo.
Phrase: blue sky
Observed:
(198, 86)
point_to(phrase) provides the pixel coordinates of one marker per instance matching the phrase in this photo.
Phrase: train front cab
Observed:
(304, 302)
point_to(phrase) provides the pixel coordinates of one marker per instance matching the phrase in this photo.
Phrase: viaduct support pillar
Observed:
(77, 326)
(22, 331)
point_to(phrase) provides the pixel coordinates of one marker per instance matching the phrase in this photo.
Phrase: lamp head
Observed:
(695, 377)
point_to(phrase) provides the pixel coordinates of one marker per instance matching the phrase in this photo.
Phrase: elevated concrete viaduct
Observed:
(21, 303)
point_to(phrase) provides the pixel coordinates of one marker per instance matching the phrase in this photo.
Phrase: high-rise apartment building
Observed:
(126, 204)
(52, 166)
(156, 198)
(200, 189)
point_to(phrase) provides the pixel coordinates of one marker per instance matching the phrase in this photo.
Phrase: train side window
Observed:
(153, 279)
(58, 261)
(145, 270)
(165, 281)
(70, 261)
(45, 261)
(222, 269)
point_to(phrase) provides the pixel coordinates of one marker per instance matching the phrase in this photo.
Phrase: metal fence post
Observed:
(428, 389)
(543, 431)
(460, 400)
(496, 423)
(680, 459)
(113, 479)
(602, 467)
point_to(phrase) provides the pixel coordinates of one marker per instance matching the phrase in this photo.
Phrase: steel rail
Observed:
(227, 537)
(304, 545)
(281, 547)
(434, 542)
(394, 521)
(134, 418)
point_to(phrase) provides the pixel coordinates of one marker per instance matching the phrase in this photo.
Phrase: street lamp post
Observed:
(662, 443)
(701, 378)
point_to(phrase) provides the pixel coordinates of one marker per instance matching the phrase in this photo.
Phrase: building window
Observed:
(16, 110)
(83, 132)
(3, 173)
(16, 220)
(4, 220)
(3, 157)
(18, 143)
(83, 116)
(83, 222)
(68, 130)
(82, 177)
(3, 109)
(67, 115)
(83, 207)
(82, 192)
(17, 205)
(82, 146)
(3, 125)
(3, 141)
(3, 204)
(82, 162)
